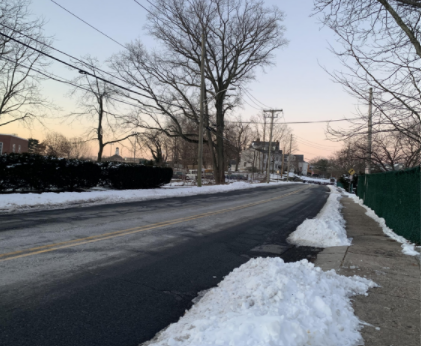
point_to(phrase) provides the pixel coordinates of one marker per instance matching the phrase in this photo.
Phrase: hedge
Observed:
(124, 176)
(48, 173)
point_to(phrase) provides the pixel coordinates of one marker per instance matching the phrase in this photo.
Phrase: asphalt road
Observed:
(117, 274)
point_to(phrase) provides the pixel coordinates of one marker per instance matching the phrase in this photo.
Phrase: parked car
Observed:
(178, 175)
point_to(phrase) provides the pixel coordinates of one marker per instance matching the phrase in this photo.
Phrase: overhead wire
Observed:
(252, 97)
(88, 73)
(102, 33)
(315, 145)
(291, 122)
(64, 53)
(306, 140)
(65, 81)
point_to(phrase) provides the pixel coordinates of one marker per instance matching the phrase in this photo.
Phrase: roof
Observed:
(7, 134)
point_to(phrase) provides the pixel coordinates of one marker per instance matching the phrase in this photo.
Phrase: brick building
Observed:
(12, 144)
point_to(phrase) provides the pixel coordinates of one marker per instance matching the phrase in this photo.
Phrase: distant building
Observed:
(116, 157)
(12, 144)
(256, 157)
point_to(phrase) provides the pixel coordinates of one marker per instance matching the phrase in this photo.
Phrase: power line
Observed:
(307, 145)
(252, 97)
(88, 73)
(102, 33)
(320, 146)
(72, 66)
(306, 140)
(65, 81)
(259, 109)
(64, 53)
(292, 122)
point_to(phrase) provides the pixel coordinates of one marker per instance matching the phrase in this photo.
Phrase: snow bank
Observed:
(407, 247)
(327, 229)
(50, 200)
(269, 302)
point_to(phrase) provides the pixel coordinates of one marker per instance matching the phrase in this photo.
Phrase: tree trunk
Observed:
(99, 129)
(101, 149)
(220, 154)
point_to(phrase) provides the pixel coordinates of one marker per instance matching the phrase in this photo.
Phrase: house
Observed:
(255, 158)
(12, 144)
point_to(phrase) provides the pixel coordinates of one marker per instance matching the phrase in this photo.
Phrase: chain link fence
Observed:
(395, 196)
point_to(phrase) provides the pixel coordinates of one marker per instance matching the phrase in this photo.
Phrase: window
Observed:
(14, 148)
(19, 148)
(245, 164)
(1, 148)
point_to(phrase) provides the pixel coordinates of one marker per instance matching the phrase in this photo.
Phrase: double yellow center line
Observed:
(86, 240)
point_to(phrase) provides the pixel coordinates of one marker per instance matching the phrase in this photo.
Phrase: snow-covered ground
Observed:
(50, 200)
(326, 229)
(267, 302)
(407, 247)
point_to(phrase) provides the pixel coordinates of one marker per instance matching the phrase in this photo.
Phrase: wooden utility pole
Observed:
(262, 155)
(282, 164)
(272, 116)
(202, 101)
(370, 133)
(289, 156)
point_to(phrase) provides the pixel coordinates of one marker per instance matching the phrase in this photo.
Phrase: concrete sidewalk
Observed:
(393, 309)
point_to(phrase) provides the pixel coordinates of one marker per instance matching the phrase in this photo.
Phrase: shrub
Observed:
(44, 173)
(127, 176)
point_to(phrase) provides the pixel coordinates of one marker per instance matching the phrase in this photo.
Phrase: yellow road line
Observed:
(92, 239)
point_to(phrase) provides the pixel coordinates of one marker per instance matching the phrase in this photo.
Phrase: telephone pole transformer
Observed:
(272, 116)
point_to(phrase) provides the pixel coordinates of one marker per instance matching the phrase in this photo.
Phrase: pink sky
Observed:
(296, 83)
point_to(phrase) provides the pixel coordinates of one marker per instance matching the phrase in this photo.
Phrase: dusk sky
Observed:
(297, 83)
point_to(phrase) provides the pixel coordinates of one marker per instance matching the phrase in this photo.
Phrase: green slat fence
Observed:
(395, 196)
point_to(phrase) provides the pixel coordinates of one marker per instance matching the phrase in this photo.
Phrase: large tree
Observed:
(381, 49)
(20, 97)
(240, 36)
(96, 101)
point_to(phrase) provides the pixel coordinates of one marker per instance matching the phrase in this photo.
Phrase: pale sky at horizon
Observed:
(297, 83)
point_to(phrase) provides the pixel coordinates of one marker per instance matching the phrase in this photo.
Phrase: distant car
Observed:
(178, 175)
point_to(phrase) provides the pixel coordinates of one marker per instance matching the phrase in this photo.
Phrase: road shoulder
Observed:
(392, 310)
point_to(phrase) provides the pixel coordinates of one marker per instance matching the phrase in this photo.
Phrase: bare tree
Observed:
(240, 35)
(96, 102)
(391, 151)
(158, 144)
(79, 148)
(20, 97)
(239, 135)
(56, 144)
(381, 49)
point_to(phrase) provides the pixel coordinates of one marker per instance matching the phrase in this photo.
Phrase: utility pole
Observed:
(272, 116)
(282, 164)
(202, 101)
(370, 133)
(264, 140)
(289, 157)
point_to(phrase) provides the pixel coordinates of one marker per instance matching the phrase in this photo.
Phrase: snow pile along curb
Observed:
(407, 247)
(326, 229)
(269, 302)
(50, 200)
